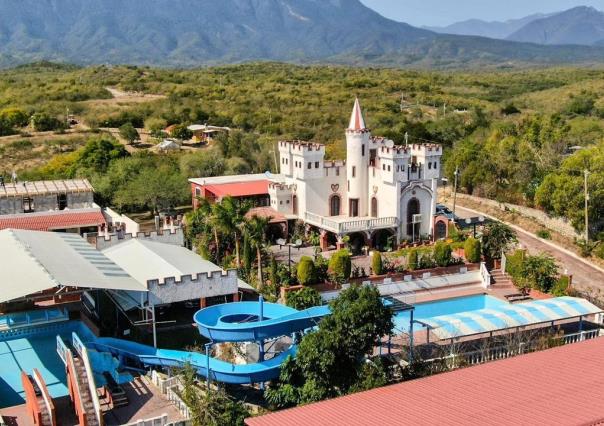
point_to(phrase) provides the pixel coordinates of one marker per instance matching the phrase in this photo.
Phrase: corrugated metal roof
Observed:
(508, 316)
(47, 221)
(239, 189)
(42, 187)
(33, 261)
(560, 386)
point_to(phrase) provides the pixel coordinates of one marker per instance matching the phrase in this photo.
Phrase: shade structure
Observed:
(510, 316)
(34, 261)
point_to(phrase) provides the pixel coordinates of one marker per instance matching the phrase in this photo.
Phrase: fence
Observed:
(455, 360)
(168, 387)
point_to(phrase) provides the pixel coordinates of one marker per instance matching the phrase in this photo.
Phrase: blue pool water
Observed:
(35, 348)
(446, 307)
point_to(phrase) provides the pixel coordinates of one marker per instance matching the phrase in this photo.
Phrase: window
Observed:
(316, 164)
(363, 150)
(286, 201)
(334, 205)
(353, 207)
(374, 207)
(295, 204)
(349, 185)
(197, 191)
(337, 171)
(281, 202)
(429, 165)
(383, 167)
(28, 204)
(309, 165)
(354, 171)
(388, 167)
(62, 201)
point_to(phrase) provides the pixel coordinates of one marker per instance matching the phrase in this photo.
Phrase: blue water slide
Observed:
(244, 321)
(232, 322)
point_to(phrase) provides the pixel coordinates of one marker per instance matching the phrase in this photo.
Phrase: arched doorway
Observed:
(413, 208)
(334, 205)
(374, 207)
(440, 230)
(356, 241)
(384, 239)
(295, 204)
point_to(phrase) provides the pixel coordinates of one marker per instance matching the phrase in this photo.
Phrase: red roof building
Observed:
(214, 189)
(54, 220)
(560, 386)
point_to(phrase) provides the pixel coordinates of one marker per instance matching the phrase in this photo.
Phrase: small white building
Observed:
(380, 190)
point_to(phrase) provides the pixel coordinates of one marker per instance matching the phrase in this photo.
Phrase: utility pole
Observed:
(455, 190)
(586, 191)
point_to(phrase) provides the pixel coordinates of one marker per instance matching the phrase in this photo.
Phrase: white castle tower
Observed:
(357, 160)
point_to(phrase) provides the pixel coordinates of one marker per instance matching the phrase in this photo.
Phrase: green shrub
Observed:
(340, 265)
(304, 298)
(472, 250)
(599, 250)
(413, 260)
(561, 286)
(514, 264)
(442, 254)
(544, 233)
(306, 271)
(376, 263)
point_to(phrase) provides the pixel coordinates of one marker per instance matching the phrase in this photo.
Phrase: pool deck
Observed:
(145, 402)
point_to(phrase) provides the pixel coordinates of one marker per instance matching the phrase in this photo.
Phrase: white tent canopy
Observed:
(34, 261)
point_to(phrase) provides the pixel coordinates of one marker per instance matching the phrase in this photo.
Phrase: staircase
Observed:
(82, 379)
(500, 280)
(44, 414)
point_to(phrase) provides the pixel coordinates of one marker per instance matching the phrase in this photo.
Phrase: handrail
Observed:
(77, 392)
(352, 224)
(485, 275)
(50, 406)
(62, 349)
(32, 404)
(81, 348)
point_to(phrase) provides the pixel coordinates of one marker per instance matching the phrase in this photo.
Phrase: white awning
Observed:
(34, 261)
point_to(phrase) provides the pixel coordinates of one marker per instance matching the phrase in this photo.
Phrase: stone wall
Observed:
(557, 224)
(175, 237)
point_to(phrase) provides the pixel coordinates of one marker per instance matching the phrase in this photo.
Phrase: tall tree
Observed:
(497, 238)
(229, 217)
(255, 229)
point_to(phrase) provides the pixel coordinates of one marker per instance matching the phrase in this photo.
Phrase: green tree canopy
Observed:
(305, 271)
(129, 133)
(304, 298)
(497, 238)
(340, 265)
(331, 360)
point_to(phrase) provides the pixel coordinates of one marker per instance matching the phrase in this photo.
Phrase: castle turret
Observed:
(357, 160)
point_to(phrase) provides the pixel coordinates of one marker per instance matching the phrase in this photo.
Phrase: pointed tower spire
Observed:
(357, 122)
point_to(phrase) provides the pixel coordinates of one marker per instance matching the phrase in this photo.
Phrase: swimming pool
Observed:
(35, 348)
(446, 307)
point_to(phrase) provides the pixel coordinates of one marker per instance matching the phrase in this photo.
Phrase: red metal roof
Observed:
(238, 189)
(561, 386)
(48, 221)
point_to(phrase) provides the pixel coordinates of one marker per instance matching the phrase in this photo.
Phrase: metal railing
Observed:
(83, 352)
(352, 225)
(502, 352)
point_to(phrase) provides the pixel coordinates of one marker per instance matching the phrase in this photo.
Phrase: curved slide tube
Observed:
(232, 322)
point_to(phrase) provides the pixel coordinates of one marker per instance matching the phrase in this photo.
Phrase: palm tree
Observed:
(229, 216)
(201, 222)
(255, 229)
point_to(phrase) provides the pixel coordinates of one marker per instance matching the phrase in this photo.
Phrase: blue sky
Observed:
(444, 12)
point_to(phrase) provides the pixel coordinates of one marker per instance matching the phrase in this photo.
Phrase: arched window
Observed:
(334, 205)
(413, 208)
(295, 204)
(374, 207)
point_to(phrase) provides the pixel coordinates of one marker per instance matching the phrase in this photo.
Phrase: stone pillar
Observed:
(236, 297)
(203, 303)
(323, 240)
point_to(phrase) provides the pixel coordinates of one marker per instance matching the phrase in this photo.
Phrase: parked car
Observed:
(443, 210)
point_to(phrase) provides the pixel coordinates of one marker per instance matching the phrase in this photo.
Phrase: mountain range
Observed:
(580, 25)
(206, 32)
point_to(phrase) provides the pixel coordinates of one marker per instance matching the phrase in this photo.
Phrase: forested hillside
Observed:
(513, 135)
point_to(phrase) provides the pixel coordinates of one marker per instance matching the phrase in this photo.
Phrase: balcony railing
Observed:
(350, 225)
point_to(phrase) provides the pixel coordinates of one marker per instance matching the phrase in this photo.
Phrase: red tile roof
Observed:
(48, 221)
(561, 386)
(266, 212)
(238, 189)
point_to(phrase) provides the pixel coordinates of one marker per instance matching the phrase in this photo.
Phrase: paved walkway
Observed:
(586, 275)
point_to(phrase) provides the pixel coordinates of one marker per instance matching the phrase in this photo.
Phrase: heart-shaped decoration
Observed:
(335, 187)
(375, 189)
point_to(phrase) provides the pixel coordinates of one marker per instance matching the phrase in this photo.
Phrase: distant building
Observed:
(381, 191)
(59, 205)
(205, 133)
(168, 145)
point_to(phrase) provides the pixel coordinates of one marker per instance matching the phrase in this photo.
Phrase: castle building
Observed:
(381, 192)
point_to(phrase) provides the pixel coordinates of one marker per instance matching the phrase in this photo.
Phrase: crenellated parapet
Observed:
(173, 236)
(189, 287)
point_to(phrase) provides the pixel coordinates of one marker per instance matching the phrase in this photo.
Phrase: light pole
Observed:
(586, 191)
(455, 190)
